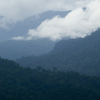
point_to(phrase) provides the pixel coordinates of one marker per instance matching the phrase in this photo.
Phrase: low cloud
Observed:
(18, 38)
(13, 11)
(78, 23)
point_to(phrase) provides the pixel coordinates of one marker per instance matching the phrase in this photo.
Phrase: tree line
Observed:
(18, 83)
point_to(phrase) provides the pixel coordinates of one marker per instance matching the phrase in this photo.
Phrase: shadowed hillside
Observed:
(80, 55)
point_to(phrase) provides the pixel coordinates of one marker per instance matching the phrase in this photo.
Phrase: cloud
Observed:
(13, 11)
(78, 23)
(18, 38)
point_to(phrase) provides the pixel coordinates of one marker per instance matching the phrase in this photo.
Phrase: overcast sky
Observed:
(78, 23)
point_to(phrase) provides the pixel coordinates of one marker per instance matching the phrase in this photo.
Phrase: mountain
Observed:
(21, 28)
(12, 49)
(80, 55)
(18, 83)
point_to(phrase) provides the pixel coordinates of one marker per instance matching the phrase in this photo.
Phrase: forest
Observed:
(18, 83)
(49, 49)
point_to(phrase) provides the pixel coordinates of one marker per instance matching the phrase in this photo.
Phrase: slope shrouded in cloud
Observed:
(12, 11)
(78, 23)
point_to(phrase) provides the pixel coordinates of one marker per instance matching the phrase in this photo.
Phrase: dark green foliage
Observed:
(80, 55)
(18, 83)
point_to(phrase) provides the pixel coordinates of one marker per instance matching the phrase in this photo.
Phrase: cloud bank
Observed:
(12, 11)
(78, 23)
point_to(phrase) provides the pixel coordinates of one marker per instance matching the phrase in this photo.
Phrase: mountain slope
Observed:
(80, 55)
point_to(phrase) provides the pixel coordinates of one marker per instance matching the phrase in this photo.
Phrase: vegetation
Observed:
(18, 83)
(80, 55)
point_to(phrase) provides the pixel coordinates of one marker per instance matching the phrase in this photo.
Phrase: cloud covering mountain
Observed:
(78, 23)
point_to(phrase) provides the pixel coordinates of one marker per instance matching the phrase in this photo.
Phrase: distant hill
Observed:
(16, 49)
(80, 55)
(18, 83)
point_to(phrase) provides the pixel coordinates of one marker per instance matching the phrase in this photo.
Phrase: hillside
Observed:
(18, 83)
(16, 49)
(80, 55)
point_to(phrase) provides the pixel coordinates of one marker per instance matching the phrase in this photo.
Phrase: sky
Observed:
(78, 23)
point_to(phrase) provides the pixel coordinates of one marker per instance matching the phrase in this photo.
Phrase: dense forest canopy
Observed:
(18, 83)
(80, 55)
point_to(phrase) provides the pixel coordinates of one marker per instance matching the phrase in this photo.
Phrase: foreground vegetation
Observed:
(18, 83)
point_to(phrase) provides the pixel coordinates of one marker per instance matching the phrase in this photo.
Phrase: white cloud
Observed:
(17, 10)
(18, 38)
(78, 23)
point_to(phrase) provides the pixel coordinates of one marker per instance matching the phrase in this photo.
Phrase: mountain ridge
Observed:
(80, 55)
